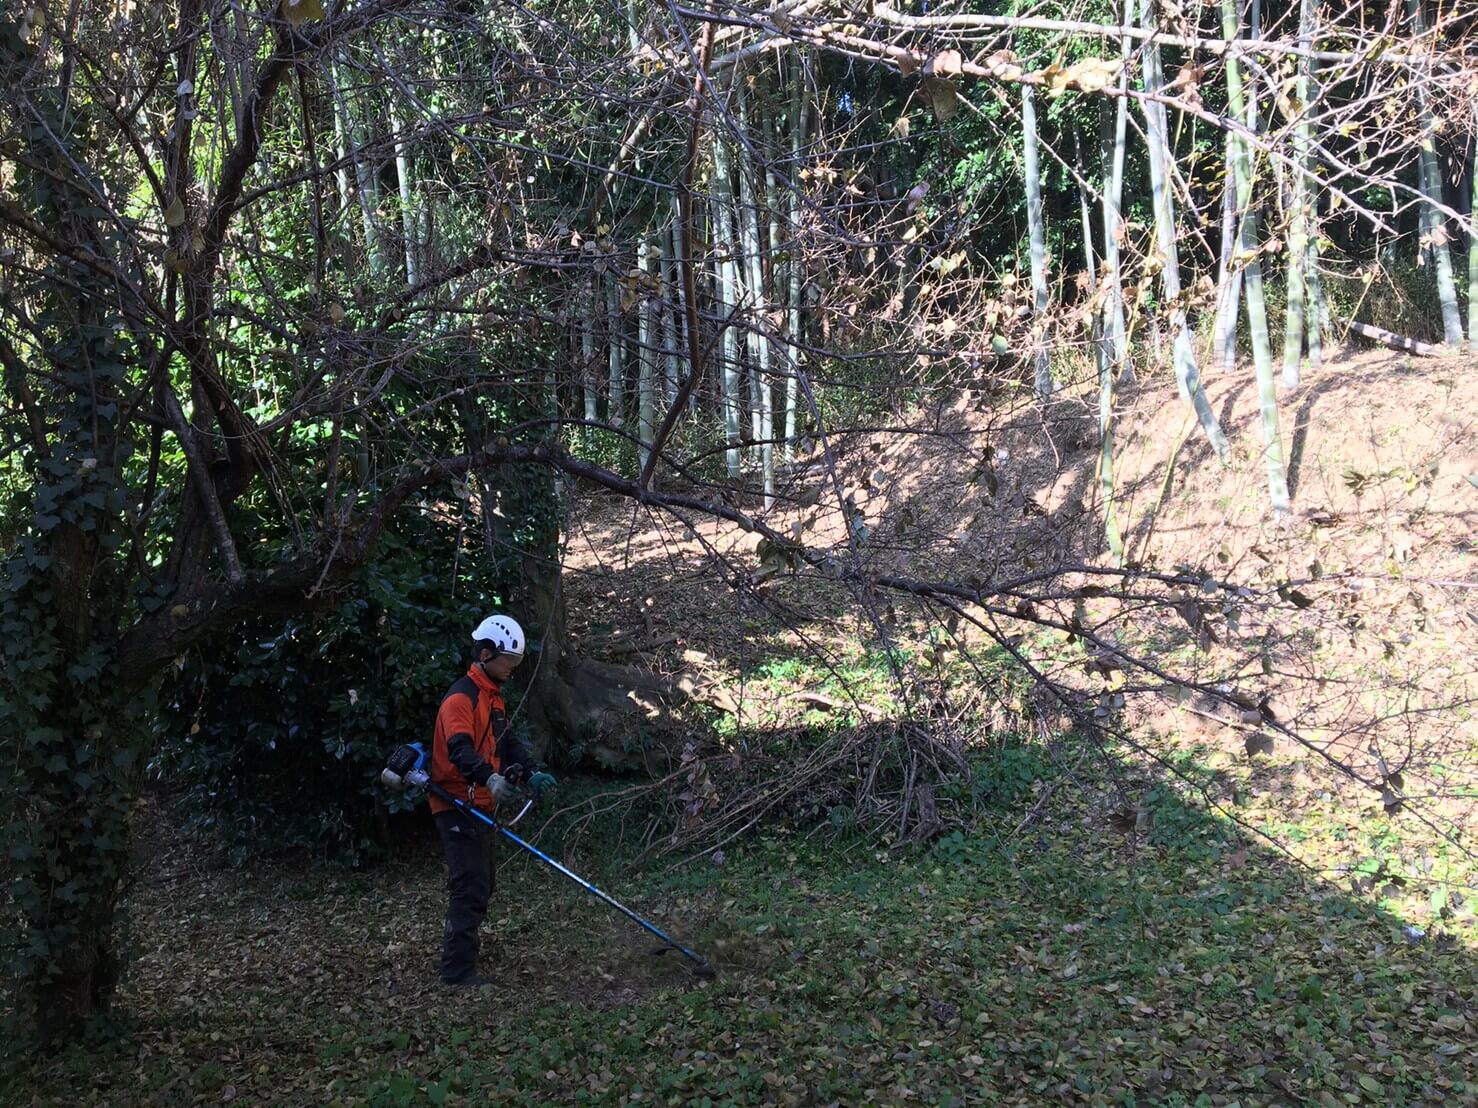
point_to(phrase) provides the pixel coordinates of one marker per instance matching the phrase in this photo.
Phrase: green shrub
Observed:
(274, 740)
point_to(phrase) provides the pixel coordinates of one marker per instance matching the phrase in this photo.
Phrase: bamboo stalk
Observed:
(1473, 244)
(1316, 309)
(407, 187)
(1085, 215)
(1187, 374)
(1297, 260)
(1262, 355)
(727, 290)
(1434, 224)
(646, 346)
(587, 349)
(756, 303)
(1097, 323)
(366, 186)
(1037, 241)
(615, 351)
(1297, 252)
(1113, 194)
(1229, 275)
(672, 362)
(1115, 364)
(1395, 341)
(799, 112)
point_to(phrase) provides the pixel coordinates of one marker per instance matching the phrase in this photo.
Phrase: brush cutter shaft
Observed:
(697, 959)
(614, 903)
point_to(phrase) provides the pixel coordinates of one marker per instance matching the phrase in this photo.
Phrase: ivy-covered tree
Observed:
(214, 414)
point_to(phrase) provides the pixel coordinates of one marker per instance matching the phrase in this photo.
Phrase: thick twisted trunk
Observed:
(76, 752)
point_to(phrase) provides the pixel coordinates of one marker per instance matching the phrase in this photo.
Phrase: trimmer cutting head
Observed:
(699, 966)
(704, 971)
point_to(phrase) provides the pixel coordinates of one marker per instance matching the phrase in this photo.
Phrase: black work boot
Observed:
(473, 981)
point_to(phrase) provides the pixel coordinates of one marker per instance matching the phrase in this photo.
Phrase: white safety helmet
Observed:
(503, 632)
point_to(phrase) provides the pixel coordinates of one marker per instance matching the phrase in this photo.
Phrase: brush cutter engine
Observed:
(406, 767)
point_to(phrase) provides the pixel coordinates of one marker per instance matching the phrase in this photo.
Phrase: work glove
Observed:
(517, 774)
(541, 783)
(497, 784)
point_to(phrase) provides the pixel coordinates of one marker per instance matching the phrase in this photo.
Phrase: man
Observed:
(474, 751)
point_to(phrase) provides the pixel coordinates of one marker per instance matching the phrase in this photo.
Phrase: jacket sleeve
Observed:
(456, 716)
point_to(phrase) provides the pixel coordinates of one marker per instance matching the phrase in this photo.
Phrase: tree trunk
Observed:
(1257, 322)
(1187, 374)
(73, 748)
(84, 966)
(1037, 243)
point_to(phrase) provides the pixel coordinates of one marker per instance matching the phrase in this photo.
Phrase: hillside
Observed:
(1371, 669)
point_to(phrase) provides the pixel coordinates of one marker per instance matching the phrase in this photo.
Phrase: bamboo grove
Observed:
(274, 270)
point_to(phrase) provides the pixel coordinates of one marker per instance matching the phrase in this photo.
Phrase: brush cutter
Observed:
(406, 769)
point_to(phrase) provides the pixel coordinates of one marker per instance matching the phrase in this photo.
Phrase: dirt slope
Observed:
(1381, 449)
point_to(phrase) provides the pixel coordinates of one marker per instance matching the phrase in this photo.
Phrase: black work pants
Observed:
(471, 868)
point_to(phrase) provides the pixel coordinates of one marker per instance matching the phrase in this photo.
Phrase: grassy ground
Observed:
(1174, 964)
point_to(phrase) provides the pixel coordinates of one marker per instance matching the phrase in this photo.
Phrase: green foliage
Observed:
(273, 739)
(604, 448)
(1010, 774)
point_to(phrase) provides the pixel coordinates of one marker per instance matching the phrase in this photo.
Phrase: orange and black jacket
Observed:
(473, 741)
